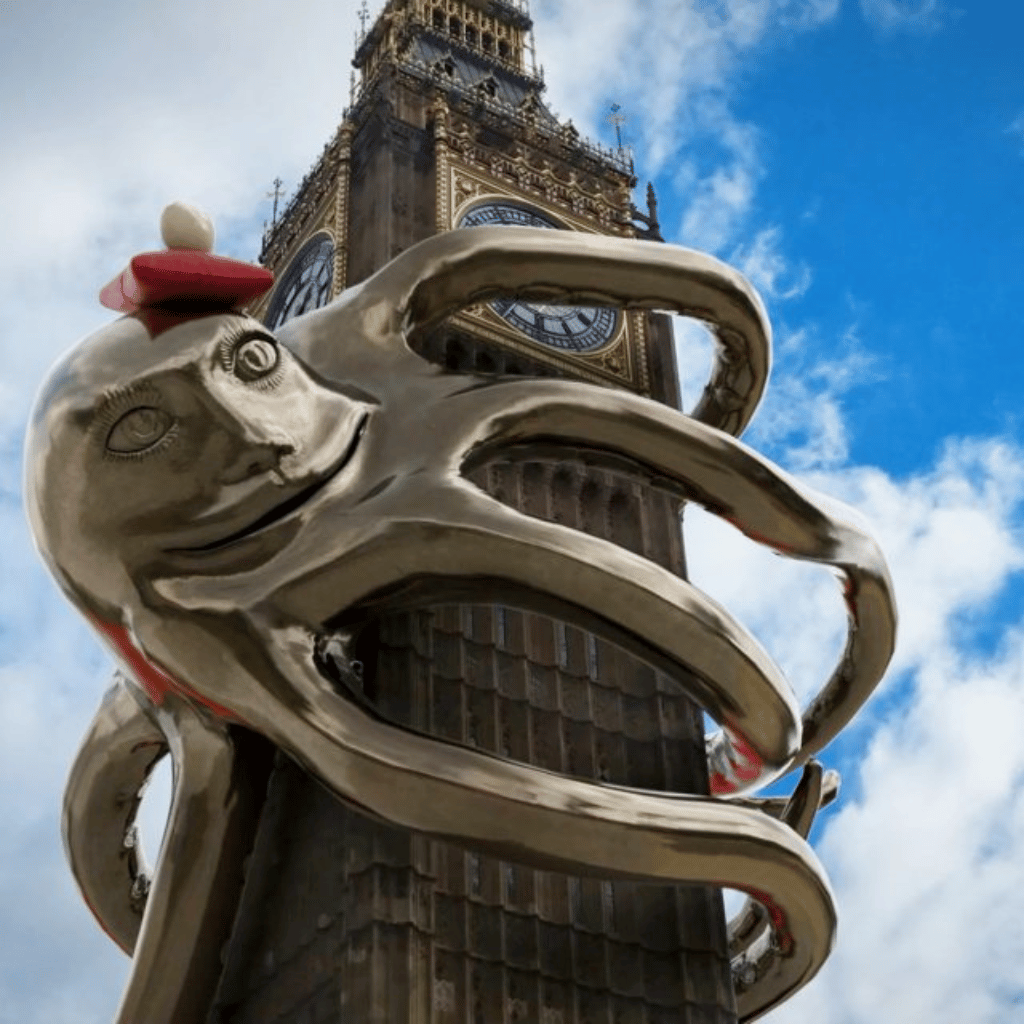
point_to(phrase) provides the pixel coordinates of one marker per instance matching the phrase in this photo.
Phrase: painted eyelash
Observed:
(236, 335)
(153, 449)
(116, 403)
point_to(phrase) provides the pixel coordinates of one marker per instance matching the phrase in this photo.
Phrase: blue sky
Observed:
(860, 160)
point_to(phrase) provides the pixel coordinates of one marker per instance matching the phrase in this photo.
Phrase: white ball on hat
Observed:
(184, 226)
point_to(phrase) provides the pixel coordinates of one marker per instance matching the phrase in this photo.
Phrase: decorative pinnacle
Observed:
(184, 226)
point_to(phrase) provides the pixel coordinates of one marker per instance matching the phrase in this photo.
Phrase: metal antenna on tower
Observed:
(618, 119)
(276, 196)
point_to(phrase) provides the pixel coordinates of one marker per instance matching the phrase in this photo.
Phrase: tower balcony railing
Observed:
(551, 131)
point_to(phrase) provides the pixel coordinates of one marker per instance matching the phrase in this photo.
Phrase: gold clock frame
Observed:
(621, 362)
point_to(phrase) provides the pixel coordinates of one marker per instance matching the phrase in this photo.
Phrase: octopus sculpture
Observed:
(225, 505)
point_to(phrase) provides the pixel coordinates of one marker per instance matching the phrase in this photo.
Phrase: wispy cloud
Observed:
(924, 848)
(683, 124)
(762, 260)
(1017, 128)
(907, 15)
(802, 422)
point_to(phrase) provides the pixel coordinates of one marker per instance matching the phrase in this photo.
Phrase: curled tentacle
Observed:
(423, 546)
(447, 273)
(101, 799)
(729, 480)
(700, 464)
(166, 925)
(219, 787)
(753, 946)
(553, 822)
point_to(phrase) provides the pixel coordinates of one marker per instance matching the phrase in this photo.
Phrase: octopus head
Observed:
(149, 447)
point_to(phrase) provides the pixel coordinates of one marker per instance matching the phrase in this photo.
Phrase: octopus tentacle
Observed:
(749, 931)
(448, 272)
(406, 558)
(218, 791)
(728, 479)
(101, 799)
(554, 822)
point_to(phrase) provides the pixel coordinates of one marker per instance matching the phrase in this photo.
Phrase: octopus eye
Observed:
(255, 358)
(138, 430)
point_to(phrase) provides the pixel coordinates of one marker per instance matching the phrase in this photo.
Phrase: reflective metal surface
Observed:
(221, 502)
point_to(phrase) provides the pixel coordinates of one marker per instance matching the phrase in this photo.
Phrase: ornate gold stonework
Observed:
(341, 208)
(468, 23)
(324, 224)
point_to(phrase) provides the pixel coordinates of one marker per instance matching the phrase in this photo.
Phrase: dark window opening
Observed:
(454, 356)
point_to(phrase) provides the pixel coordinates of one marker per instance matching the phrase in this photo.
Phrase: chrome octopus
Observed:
(217, 500)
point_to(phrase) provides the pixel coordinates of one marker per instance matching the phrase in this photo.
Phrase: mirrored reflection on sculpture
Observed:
(228, 506)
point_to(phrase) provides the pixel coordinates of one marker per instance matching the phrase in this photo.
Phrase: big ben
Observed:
(345, 919)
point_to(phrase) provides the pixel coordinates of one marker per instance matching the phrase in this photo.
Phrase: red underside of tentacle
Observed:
(154, 680)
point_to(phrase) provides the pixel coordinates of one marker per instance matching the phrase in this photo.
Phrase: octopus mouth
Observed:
(287, 507)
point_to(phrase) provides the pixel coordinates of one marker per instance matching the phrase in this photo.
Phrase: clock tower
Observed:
(346, 920)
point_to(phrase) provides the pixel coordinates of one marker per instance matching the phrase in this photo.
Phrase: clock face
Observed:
(306, 284)
(570, 328)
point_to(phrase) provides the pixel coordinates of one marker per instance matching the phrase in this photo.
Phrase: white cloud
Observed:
(101, 139)
(723, 199)
(762, 261)
(1017, 128)
(913, 15)
(926, 860)
(802, 420)
(923, 850)
(681, 105)
(694, 352)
